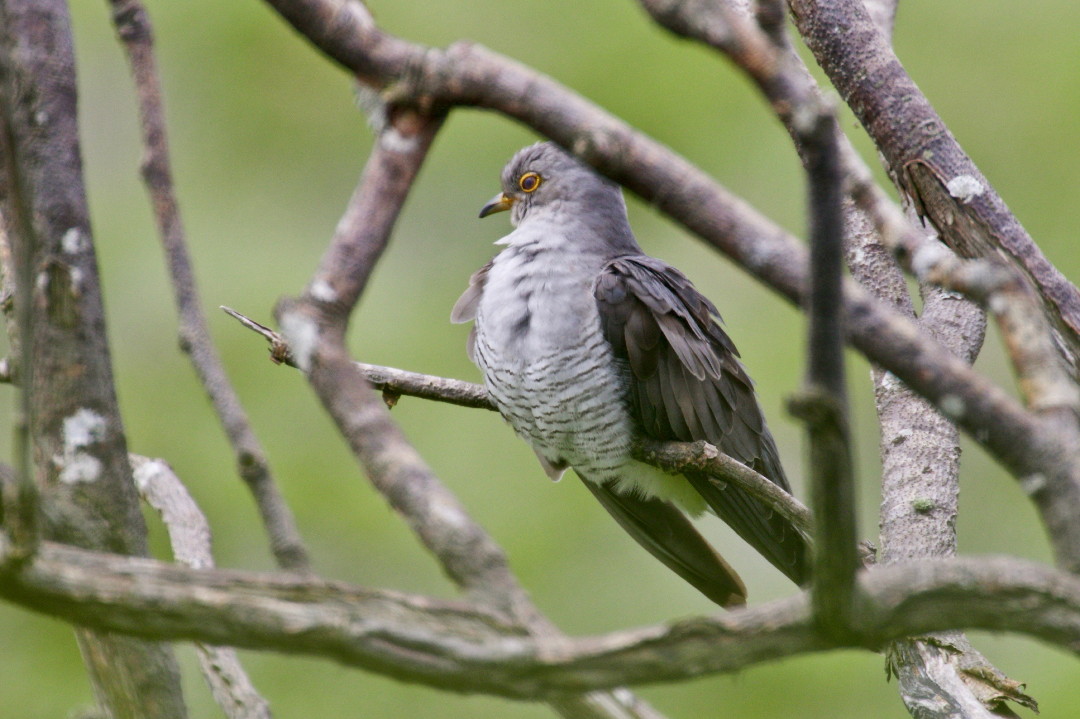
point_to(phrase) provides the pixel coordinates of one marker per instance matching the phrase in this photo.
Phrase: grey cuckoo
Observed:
(584, 341)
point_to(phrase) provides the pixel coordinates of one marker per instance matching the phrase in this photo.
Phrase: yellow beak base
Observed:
(499, 203)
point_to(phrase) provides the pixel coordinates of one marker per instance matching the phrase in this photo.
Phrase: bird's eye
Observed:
(529, 182)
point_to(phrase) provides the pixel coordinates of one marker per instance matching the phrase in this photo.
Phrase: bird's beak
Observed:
(500, 203)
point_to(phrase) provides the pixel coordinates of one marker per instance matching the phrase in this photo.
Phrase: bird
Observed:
(586, 343)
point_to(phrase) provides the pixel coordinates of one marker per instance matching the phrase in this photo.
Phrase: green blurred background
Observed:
(267, 146)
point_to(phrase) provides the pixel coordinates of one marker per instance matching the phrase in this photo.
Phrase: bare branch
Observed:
(681, 457)
(919, 447)
(823, 403)
(19, 500)
(189, 535)
(942, 675)
(392, 382)
(500, 642)
(396, 382)
(133, 27)
(1045, 382)
(464, 648)
(919, 491)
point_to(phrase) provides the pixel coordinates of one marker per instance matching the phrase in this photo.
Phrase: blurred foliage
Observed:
(267, 146)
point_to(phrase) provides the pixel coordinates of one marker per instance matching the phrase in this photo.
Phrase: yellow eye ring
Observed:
(529, 182)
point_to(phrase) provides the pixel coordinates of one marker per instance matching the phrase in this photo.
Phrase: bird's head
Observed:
(543, 180)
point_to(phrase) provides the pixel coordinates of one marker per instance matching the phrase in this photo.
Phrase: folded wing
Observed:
(687, 384)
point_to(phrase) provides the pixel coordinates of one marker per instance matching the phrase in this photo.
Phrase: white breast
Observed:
(547, 364)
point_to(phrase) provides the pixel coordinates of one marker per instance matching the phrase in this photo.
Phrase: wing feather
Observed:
(686, 384)
(466, 306)
(643, 351)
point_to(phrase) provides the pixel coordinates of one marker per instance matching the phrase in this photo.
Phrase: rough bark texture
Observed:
(930, 166)
(79, 452)
(463, 647)
(920, 456)
(189, 536)
(919, 447)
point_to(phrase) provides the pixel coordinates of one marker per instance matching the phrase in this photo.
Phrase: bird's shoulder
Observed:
(647, 306)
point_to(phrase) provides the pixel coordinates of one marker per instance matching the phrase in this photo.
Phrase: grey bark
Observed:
(79, 453)
(466, 647)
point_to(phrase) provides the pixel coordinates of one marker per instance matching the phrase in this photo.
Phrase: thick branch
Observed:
(832, 480)
(932, 169)
(79, 448)
(460, 647)
(19, 500)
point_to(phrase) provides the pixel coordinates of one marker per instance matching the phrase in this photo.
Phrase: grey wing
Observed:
(668, 535)
(687, 384)
(466, 305)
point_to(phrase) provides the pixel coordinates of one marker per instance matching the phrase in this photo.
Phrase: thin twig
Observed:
(701, 456)
(832, 482)
(390, 381)
(189, 536)
(675, 457)
(133, 26)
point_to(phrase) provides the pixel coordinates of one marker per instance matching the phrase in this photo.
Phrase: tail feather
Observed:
(768, 532)
(666, 533)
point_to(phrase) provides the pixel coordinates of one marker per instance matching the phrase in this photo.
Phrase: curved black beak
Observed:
(500, 203)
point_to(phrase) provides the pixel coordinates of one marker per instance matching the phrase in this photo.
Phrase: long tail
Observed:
(666, 533)
(768, 532)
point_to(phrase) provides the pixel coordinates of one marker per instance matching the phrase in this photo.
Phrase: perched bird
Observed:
(586, 343)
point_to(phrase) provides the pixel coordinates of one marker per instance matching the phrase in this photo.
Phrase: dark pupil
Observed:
(528, 182)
